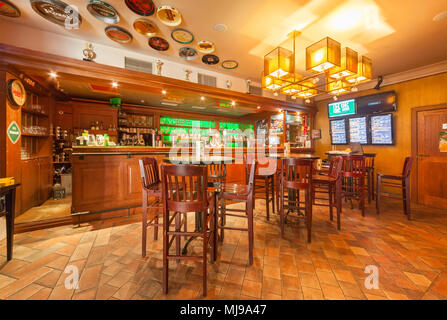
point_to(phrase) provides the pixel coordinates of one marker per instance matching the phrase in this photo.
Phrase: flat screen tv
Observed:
(377, 103)
(341, 108)
(382, 132)
(358, 131)
(338, 132)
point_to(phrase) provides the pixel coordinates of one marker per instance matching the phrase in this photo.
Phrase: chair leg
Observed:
(205, 249)
(267, 197)
(165, 251)
(379, 185)
(338, 203)
(281, 211)
(222, 218)
(407, 198)
(250, 230)
(372, 183)
(277, 189)
(330, 186)
(144, 225)
(362, 198)
(368, 176)
(309, 215)
(177, 229)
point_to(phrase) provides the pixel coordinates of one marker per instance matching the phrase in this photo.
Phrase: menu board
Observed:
(357, 130)
(341, 108)
(382, 129)
(338, 132)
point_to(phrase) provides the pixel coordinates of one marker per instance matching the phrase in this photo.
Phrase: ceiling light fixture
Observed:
(220, 27)
(258, 107)
(114, 84)
(53, 74)
(163, 91)
(440, 16)
(202, 98)
(233, 103)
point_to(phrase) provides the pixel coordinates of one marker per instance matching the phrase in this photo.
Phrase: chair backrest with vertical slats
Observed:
(407, 167)
(184, 187)
(336, 167)
(369, 160)
(149, 172)
(297, 173)
(217, 171)
(353, 166)
(250, 169)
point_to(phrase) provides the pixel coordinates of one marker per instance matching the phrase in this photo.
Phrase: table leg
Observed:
(10, 207)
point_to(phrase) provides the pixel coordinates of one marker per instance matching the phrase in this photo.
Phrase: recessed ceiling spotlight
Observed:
(440, 16)
(280, 110)
(307, 100)
(293, 97)
(114, 84)
(142, 101)
(258, 107)
(163, 91)
(275, 93)
(354, 89)
(53, 74)
(335, 98)
(233, 103)
(220, 27)
(202, 98)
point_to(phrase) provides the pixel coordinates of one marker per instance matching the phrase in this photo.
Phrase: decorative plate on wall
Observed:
(169, 16)
(103, 11)
(141, 7)
(118, 34)
(8, 9)
(158, 44)
(16, 93)
(145, 27)
(57, 12)
(230, 64)
(210, 59)
(205, 46)
(182, 36)
(187, 53)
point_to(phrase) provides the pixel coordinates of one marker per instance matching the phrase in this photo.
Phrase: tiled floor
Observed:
(411, 258)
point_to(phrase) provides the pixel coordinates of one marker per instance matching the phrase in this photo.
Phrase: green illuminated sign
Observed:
(187, 122)
(13, 132)
(341, 108)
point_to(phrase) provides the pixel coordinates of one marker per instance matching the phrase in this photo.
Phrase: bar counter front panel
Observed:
(108, 178)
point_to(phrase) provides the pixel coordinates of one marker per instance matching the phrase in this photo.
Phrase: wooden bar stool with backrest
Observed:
(404, 184)
(369, 167)
(266, 176)
(185, 189)
(151, 189)
(239, 193)
(330, 182)
(297, 175)
(353, 174)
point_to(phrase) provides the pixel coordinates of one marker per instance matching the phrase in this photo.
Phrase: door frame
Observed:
(414, 144)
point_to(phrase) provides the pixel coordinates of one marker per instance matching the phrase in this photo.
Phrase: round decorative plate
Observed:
(8, 9)
(158, 44)
(145, 27)
(118, 34)
(205, 46)
(57, 12)
(230, 64)
(103, 11)
(182, 36)
(169, 16)
(210, 59)
(187, 53)
(141, 7)
(16, 93)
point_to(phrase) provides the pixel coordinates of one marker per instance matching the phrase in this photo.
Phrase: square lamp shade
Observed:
(271, 83)
(289, 84)
(308, 89)
(279, 63)
(323, 55)
(348, 67)
(337, 87)
(364, 71)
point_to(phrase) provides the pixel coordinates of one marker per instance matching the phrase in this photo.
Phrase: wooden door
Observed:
(45, 178)
(431, 162)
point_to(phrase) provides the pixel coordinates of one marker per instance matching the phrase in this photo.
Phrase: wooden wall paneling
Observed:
(84, 113)
(45, 178)
(30, 182)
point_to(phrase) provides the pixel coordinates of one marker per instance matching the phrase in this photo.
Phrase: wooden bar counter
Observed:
(108, 178)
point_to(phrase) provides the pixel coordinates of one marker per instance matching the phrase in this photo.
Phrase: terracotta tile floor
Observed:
(411, 258)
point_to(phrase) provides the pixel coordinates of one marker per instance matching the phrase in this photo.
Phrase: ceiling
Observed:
(397, 35)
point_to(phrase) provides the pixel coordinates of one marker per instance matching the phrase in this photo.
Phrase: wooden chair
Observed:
(353, 175)
(369, 167)
(330, 182)
(265, 179)
(404, 184)
(185, 189)
(217, 172)
(9, 192)
(296, 175)
(239, 193)
(152, 198)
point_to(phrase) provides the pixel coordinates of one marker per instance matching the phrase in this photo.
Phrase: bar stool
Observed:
(266, 176)
(369, 167)
(239, 193)
(297, 175)
(329, 180)
(404, 184)
(151, 188)
(353, 174)
(217, 172)
(185, 189)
